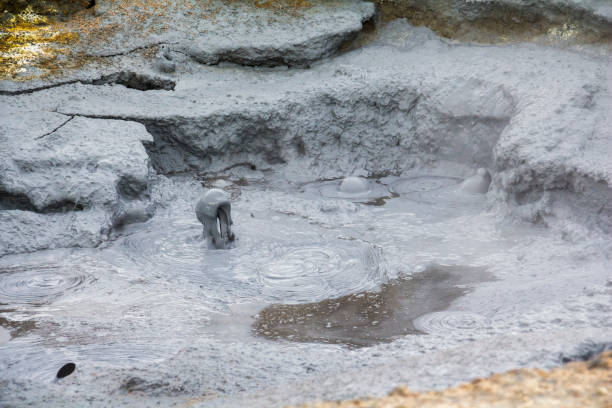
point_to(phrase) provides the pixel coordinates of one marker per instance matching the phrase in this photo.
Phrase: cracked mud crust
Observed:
(579, 384)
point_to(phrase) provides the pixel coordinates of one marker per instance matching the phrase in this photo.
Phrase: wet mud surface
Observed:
(332, 286)
(366, 318)
(311, 280)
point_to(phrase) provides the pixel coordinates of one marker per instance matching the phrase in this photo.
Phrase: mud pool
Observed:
(312, 283)
(408, 209)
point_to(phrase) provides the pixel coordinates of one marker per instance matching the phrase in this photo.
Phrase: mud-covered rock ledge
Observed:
(65, 180)
(164, 36)
(406, 102)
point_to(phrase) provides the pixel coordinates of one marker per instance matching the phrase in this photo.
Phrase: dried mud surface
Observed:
(578, 384)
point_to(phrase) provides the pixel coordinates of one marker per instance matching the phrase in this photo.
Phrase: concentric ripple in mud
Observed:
(305, 273)
(274, 260)
(38, 284)
(444, 321)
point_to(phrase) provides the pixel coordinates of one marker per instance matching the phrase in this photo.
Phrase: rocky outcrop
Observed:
(123, 36)
(77, 162)
(538, 125)
(252, 38)
(406, 101)
(405, 124)
(64, 165)
(28, 231)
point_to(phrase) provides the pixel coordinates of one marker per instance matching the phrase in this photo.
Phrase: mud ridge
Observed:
(129, 79)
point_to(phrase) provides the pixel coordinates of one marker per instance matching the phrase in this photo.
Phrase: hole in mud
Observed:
(63, 206)
(367, 318)
(380, 201)
(66, 370)
(223, 223)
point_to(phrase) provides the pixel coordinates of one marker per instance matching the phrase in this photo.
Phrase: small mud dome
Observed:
(367, 318)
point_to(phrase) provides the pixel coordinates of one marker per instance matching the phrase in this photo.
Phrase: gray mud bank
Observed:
(334, 288)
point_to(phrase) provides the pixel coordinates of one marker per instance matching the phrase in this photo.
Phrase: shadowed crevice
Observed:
(18, 201)
(132, 80)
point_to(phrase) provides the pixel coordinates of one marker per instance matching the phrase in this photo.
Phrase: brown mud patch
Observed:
(14, 327)
(367, 318)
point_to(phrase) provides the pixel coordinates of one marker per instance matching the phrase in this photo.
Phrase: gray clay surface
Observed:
(103, 261)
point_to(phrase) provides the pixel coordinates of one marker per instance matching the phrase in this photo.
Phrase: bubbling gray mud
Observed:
(38, 284)
(284, 260)
(351, 188)
(158, 305)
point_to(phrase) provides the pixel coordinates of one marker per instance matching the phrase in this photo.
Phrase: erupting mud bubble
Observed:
(478, 183)
(351, 188)
(354, 185)
(444, 191)
(214, 212)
